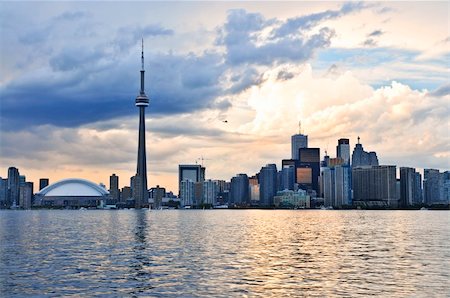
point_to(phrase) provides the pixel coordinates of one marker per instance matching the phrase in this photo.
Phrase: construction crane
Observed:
(202, 160)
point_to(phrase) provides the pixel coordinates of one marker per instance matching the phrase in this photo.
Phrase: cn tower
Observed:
(141, 102)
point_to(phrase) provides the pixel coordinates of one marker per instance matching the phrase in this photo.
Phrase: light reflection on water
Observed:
(224, 253)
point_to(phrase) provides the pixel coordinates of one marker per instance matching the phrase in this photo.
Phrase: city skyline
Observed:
(239, 78)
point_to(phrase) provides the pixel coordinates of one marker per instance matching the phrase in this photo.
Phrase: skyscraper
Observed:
(114, 188)
(239, 193)
(287, 177)
(142, 102)
(3, 192)
(25, 195)
(136, 189)
(267, 184)
(210, 192)
(431, 186)
(418, 193)
(375, 186)
(253, 190)
(194, 173)
(362, 158)
(343, 185)
(157, 194)
(13, 187)
(308, 170)
(343, 150)
(298, 141)
(187, 192)
(410, 190)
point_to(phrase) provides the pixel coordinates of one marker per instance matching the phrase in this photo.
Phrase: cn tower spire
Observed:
(142, 55)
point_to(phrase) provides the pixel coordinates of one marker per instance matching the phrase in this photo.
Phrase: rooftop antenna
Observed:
(358, 139)
(300, 127)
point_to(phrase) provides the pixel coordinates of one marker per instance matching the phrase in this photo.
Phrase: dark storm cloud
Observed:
(89, 79)
(241, 37)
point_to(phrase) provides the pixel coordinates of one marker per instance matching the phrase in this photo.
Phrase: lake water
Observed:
(224, 253)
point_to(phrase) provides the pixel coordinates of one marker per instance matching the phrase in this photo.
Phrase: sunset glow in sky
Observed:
(69, 75)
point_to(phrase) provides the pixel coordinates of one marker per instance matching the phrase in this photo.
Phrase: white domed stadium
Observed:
(72, 193)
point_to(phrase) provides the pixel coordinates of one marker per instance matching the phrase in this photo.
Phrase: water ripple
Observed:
(224, 253)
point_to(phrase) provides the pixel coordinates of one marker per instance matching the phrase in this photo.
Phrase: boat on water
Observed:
(326, 208)
(423, 208)
(221, 207)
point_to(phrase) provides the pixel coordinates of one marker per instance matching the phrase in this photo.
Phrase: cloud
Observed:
(249, 38)
(300, 24)
(375, 33)
(370, 42)
(71, 16)
(78, 84)
(441, 91)
(406, 127)
(126, 37)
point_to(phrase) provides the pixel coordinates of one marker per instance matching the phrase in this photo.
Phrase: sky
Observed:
(228, 84)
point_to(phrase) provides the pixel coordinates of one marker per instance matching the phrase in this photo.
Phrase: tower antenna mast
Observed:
(142, 54)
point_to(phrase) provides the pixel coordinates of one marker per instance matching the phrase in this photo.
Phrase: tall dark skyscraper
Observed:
(13, 187)
(410, 187)
(114, 187)
(142, 102)
(308, 170)
(431, 186)
(267, 184)
(298, 141)
(239, 194)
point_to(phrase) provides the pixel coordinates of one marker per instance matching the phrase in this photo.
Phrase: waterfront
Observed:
(224, 253)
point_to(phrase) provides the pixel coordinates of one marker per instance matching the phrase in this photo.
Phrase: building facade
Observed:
(410, 187)
(187, 193)
(114, 188)
(298, 141)
(361, 158)
(343, 150)
(292, 199)
(239, 193)
(26, 195)
(267, 184)
(194, 173)
(375, 186)
(13, 187)
(210, 192)
(309, 169)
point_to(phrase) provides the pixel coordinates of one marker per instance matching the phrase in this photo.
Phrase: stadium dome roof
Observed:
(73, 188)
